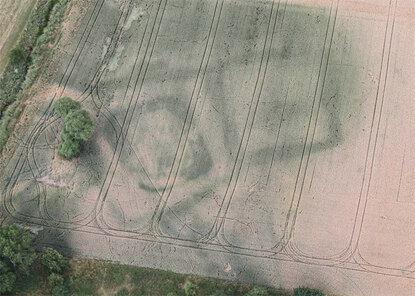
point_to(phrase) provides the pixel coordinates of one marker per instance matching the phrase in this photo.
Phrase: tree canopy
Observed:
(53, 262)
(69, 147)
(16, 255)
(79, 125)
(65, 105)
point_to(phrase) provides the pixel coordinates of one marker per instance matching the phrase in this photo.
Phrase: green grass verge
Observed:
(89, 277)
(25, 61)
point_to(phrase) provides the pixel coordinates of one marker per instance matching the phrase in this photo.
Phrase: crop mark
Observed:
(135, 105)
(310, 122)
(256, 93)
(157, 215)
(214, 247)
(315, 122)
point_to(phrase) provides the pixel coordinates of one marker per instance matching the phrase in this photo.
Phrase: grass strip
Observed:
(95, 278)
(25, 61)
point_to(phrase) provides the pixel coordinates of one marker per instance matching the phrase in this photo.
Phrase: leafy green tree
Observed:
(16, 255)
(7, 278)
(69, 148)
(65, 105)
(53, 262)
(304, 291)
(79, 125)
(16, 249)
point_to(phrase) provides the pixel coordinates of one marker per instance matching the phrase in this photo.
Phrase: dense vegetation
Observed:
(16, 256)
(25, 272)
(25, 60)
(78, 127)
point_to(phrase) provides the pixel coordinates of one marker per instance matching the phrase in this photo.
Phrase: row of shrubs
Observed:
(25, 59)
(191, 289)
(23, 271)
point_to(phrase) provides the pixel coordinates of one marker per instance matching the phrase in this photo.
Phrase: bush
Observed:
(114, 276)
(55, 280)
(65, 105)
(190, 289)
(85, 277)
(53, 262)
(17, 56)
(303, 291)
(69, 148)
(79, 125)
(257, 291)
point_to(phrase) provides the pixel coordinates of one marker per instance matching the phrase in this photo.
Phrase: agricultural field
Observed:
(262, 141)
(18, 11)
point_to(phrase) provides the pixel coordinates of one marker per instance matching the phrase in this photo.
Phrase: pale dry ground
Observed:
(13, 17)
(273, 136)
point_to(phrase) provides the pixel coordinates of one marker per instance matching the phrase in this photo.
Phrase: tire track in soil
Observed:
(177, 243)
(51, 113)
(101, 68)
(250, 120)
(98, 215)
(29, 140)
(40, 125)
(156, 218)
(291, 244)
(284, 239)
(356, 250)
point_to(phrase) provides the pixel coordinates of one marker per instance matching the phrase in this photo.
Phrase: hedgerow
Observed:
(25, 60)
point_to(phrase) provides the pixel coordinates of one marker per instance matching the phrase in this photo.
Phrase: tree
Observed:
(69, 148)
(65, 105)
(79, 125)
(16, 249)
(7, 278)
(53, 262)
(16, 255)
